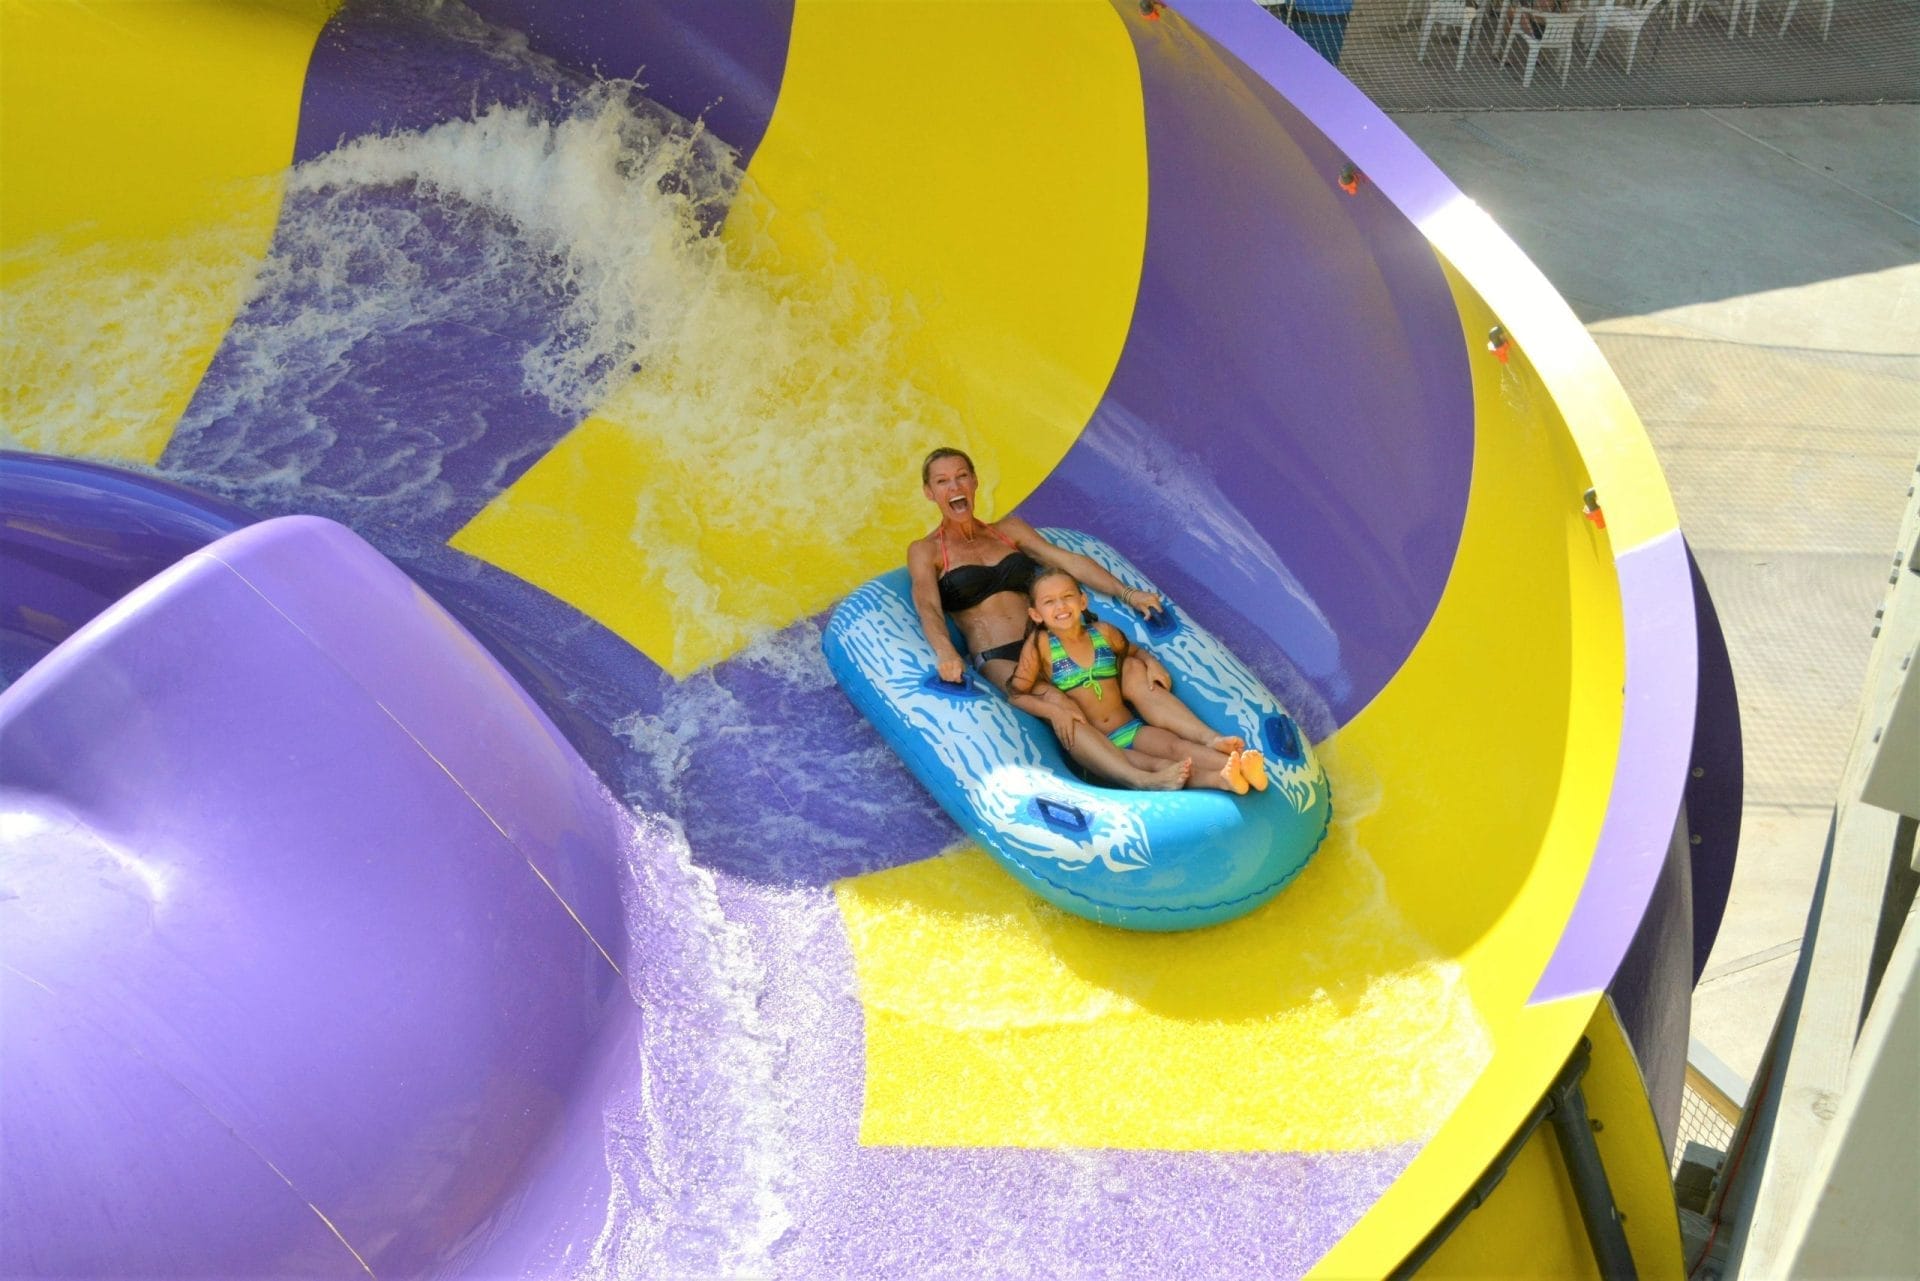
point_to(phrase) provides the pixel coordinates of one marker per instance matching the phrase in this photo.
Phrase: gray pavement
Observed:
(1753, 276)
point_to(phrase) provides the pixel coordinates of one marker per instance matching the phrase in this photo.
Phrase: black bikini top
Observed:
(964, 586)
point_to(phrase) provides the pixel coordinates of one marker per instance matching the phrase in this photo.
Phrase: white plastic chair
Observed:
(1556, 36)
(1734, 9)
(1629, 18)
(1826, 23)
(1448, 15)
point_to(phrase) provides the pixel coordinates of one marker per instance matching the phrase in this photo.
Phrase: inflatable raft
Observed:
(1140, 860)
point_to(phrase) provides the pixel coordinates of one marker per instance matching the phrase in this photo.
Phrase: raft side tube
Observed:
(1139, 860)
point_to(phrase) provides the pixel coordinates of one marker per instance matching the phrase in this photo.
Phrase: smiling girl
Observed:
(1091, 663)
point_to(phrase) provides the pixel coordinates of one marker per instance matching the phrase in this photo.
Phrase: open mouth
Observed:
(958, 502)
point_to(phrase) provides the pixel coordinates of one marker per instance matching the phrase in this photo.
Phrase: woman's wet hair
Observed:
(926, 468)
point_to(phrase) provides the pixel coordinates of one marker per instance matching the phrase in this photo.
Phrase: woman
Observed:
(978, 572)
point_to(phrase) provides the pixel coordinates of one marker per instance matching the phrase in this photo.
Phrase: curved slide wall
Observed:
(637, 405)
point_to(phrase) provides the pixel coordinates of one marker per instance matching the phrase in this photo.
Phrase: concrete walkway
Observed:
(1753, 276)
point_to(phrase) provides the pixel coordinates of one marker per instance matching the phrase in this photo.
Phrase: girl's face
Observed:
(1057, 605)
(950, 487)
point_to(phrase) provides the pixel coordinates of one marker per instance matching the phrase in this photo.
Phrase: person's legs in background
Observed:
(1326, 32)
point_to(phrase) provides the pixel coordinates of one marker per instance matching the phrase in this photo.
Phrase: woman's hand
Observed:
(1158, 675)
(1065, 719)
(1090, 572)
(952, 668)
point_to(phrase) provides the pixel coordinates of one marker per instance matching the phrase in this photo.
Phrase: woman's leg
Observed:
(1092, 751)
(1210, 768)
(1163, 708)
(1179, 767)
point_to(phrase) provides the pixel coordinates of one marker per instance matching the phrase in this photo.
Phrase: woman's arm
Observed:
(1090, 572)
(933, 619)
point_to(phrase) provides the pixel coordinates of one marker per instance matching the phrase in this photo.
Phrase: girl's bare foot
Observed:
(1254, 767)
(1170, 779)
(1228, 743)
(1231, 772)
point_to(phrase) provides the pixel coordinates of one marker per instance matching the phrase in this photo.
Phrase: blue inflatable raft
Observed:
(1140, 860)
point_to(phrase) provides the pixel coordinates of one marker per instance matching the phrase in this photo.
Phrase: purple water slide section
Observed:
(309, 932)
(863, 1210)
(707, 1155)
(1716, 778)
(1656, 736)
(1652, 990)
(434, 420)
(719, 63)
(412, 68)
(1281, 64)
(75, 537)
(1291, 419)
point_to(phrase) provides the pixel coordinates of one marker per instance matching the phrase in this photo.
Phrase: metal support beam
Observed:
(1574, 1129)
(1565, 1104)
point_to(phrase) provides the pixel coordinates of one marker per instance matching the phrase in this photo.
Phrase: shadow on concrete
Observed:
(1635, 212)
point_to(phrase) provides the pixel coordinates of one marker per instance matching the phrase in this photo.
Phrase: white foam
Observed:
(701, 1165)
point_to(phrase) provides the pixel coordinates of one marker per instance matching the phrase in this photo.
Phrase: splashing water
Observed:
(543, 251)
(699, 1156)
(102, 340)
(441, 308)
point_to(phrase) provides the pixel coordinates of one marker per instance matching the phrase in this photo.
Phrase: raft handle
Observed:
(1068, 820)
(963, 688)
(1282, 738)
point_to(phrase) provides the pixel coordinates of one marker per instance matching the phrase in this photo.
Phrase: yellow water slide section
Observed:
(1383, 997)
(960, 190)
(1562, 356)
(993, 1019)
(1489, 841)
(142, 150)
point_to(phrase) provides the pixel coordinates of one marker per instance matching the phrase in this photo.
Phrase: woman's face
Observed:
(950, 486)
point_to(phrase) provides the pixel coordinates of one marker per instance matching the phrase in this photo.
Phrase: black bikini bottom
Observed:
(1009, 652)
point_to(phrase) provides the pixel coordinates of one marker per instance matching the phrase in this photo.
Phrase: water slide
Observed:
(431, 841)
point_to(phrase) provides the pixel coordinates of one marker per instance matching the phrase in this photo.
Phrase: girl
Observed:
(1124, 692)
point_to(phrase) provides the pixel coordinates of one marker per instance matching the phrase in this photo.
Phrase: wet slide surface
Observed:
(636, 401)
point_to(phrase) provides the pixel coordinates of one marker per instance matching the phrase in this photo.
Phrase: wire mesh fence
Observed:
(1452, 55)
(1700, 1123)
